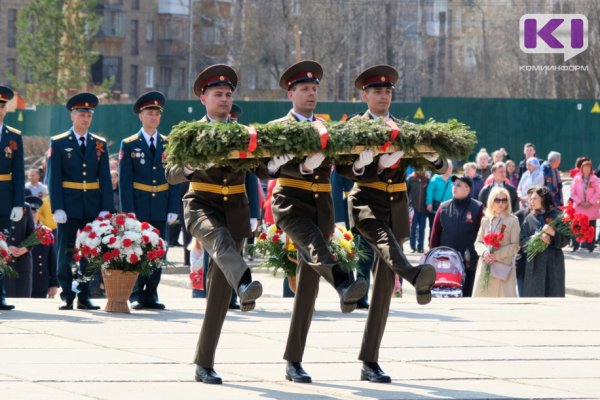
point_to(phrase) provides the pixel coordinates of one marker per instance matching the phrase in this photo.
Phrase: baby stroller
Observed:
(450, 271)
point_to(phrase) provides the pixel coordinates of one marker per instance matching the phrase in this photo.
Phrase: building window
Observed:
(149, 31)
(165, 76)
(135, 4)
(134, 37)
(180, 78)
(212, 35)
(12, 28)
(111, 67)
(11, 66)
(113, 23)
(133, 81)
(149, 77)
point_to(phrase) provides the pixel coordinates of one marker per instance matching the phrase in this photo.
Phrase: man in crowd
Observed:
(456, 224)
(34, 185)
(499, 180)
(12, 178)
(552, 178)
(80, 190)
(143, 188)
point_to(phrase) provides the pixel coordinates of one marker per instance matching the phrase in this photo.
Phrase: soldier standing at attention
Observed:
(80, 190)
(303, 208)
(143, 187)
(12, 178)
(379, 212)
(216, 212)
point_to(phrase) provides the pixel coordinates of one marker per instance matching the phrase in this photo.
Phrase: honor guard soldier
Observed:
(12, 177)
(80, 190)
(216, 213)
(379, 212)
(43, 281)
(143, 187)
(303, 209)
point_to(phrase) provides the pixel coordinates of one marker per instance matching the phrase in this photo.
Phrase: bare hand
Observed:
(430, 207)
(547, 239)
(549, 230)
(17, 251)
(52, 291)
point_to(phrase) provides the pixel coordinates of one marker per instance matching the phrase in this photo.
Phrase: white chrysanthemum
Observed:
(133, 225)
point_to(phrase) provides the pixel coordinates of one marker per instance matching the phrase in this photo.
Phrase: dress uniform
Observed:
(12, 177)
(80, 189)
(379, 212)
(217, 213)
(20, 286)
(145, 192)
(44, 259)
(303, 208)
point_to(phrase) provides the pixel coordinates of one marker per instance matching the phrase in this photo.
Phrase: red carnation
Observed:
(145, 238)
(130, 215)
(112, 240)
(127, 242)
(145, 226)
(120, 220)
(263, 236)
(275, 238)
(279, 231)
(94, 252)
(3, 253)
(87, 228)
(77, 257)
(115, 253)
(134, 258)
(347, 236)
(85, 251)
(114, 231)
(156, 231)
(108, 216)
(107, 256)
(92, 235)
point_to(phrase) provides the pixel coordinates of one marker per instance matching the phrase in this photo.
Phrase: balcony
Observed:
(172, 48)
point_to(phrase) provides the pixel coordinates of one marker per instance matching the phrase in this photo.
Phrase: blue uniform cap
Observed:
(152, 99)
(34, 201)
(6, 94)
(83, 102)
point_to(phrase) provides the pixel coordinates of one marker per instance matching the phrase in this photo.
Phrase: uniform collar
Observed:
(147, 137)
(385, 118)
(302, 118)
(211, 119)
(77, 136)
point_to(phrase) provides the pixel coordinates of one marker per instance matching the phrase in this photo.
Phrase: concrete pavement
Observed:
(452, 348)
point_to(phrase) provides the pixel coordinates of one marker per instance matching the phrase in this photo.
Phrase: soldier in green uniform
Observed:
(379, 212)
(216, 212)
(303, 208)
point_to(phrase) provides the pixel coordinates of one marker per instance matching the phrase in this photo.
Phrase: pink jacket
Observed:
(592, 195)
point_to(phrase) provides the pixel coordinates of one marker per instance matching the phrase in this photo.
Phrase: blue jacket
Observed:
(11, 163)
(152, 198)
(67, 164)
(556, 190)
(438, 190)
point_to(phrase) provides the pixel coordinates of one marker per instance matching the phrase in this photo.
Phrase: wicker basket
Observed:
(118, 286)
(292, 283)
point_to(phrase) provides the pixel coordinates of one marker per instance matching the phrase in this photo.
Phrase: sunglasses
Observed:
(500, 200)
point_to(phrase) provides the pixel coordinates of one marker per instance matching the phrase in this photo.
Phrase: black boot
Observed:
(372, 372)
(294, 372)
(350, 291)
(248, 291)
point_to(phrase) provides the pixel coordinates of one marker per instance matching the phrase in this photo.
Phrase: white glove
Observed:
(209, 165)
(16, 214)
(103, 213)
(171, 218)
(253, 224)
(60, 217)
(431, 157)
(314, 161)
(277, 162)
(188, 170)
(364, 158)
(387, 160)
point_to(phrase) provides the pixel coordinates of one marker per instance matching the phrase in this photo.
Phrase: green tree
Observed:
(55, 45)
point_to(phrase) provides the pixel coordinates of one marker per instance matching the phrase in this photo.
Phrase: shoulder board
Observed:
(13, 130)
(97, 137)
(61, 136)
(282, 119)
(131, 138)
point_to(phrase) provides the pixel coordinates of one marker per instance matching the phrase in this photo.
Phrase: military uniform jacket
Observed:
(44, 269)
(232, 210)
(301, 202)
(137, 166)
(67, 164)
(19, 231)
(11, 163)
(392, 208)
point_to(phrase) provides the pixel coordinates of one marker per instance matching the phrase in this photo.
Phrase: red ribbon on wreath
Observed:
(322, 130)
(393, 134)
(252, 144)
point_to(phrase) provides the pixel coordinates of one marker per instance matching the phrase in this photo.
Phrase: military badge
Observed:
(7, 152)
(99, 149)
(69, 150)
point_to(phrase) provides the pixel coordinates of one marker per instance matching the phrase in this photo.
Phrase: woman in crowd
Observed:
(511, 173)
(545, 274)
(498, 218)
(484, 169)
(533, 176)
(585, 192)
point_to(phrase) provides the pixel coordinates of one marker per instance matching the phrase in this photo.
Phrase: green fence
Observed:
(568, 126)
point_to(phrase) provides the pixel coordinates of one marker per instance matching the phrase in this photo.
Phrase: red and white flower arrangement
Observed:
(5, 258)
(120, 242)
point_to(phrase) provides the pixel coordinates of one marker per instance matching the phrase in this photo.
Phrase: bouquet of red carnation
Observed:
(5, 259)
(567, 223)
(41, 235)
(492, 240)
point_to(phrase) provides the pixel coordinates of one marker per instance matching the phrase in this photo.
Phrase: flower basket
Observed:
(118, 285)
(5, 259)
(123, 247)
